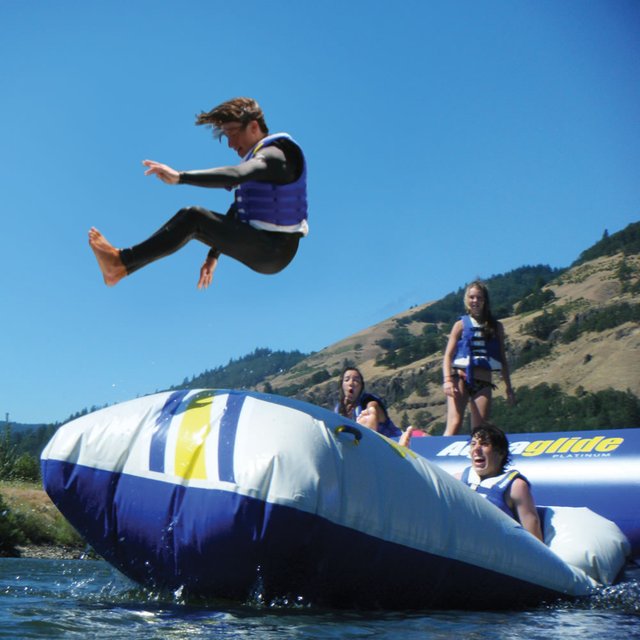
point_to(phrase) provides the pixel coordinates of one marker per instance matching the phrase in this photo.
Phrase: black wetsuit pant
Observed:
(263, 251)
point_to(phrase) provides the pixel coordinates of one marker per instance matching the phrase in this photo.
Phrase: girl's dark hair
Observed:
(342, 409)
(488, 432)
(488, 322)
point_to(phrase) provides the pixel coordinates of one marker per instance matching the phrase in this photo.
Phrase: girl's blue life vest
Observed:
(473, 350)
(279, 204)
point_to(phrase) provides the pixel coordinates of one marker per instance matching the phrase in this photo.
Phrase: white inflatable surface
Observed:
(586, 540)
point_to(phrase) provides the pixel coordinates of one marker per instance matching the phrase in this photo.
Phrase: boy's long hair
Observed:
(242, 110)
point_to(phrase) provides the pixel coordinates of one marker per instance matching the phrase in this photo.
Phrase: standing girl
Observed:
(475, 349)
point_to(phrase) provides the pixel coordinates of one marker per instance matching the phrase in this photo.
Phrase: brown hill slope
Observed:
(593, 362)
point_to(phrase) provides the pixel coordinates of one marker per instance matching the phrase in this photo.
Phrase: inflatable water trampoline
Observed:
(227, 494)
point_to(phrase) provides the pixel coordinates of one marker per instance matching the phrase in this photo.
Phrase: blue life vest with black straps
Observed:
(473, 350)
(493, 489)
(279, 204)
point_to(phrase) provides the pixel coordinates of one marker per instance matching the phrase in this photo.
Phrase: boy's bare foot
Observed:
(108, 258)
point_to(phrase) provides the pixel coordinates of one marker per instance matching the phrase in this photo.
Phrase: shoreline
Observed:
(52, 552)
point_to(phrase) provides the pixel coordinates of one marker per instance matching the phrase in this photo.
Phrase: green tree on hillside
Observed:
(547, 408)
(246, 372)
(15, 463)
(626, 241)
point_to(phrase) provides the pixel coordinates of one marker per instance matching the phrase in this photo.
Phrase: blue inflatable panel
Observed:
(232, 494)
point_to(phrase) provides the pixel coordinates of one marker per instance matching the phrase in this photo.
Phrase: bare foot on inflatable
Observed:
(405, 438)
(108, 258)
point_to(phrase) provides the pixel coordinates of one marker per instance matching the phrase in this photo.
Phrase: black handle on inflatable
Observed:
(346, 428)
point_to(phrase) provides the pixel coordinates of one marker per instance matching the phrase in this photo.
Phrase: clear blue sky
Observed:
(445, 140)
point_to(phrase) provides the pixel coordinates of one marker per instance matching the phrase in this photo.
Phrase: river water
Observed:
(88, 599)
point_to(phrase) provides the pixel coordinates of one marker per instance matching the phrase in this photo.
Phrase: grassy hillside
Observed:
(578, 352)
(29, 518)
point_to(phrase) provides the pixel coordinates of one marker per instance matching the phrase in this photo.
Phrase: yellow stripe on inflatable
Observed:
(190, 447)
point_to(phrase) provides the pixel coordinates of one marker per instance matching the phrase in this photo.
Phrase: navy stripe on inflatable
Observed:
(159, 438)
(252, 545)
(227, 436)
